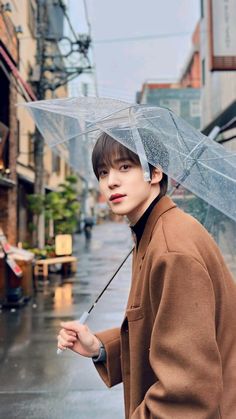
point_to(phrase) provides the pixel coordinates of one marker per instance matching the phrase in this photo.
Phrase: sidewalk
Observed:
(34, 381)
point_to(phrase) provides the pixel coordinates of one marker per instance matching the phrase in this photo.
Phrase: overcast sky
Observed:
(123, 64)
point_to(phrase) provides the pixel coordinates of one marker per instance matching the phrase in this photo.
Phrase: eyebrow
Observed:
(122, 159)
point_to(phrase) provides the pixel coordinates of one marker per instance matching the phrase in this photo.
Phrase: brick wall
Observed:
(13, 150)
(8, 194)
(8, 201)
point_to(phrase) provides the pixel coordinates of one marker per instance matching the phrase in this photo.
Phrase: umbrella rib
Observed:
(218, 172)
(139, 145)
(220, 158)
(187, 171)
(104, 118)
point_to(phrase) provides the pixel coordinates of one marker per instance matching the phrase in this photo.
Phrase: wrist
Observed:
(96, 350)
(101, 356)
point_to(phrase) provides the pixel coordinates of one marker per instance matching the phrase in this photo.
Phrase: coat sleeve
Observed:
(110, 371)
(184, 354)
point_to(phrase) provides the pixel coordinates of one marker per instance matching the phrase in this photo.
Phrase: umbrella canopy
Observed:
(156, 134)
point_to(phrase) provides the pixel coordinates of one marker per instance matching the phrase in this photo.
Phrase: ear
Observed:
(157, 175)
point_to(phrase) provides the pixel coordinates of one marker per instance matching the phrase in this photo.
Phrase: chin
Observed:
(122, 209)
(119, 212)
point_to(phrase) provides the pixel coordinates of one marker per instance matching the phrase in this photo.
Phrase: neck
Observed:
(138, 212)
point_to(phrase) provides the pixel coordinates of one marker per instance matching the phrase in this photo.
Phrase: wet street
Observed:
(34, 381)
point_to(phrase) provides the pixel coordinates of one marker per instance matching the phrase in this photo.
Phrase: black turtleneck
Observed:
(138, 228)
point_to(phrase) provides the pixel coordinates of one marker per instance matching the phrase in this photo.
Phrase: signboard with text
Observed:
(222, 32)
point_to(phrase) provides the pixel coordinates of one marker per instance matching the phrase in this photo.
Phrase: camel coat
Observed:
(176, 349)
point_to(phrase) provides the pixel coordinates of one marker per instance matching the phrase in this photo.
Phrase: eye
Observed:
(102, 173)
(125, 167)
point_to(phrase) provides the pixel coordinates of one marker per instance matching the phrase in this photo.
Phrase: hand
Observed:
(78, 338)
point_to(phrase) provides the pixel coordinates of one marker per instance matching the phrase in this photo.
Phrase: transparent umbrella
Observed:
(157, 135)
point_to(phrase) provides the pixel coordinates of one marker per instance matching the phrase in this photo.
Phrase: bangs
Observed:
(106, 150)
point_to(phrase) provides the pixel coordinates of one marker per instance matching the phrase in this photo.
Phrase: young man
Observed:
(176, 348)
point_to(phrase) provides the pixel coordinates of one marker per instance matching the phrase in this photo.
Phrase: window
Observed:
(67, 169)
(173, 104)
(203, 72)
(202, 9)
(195, 108)
(56, 164)
(18, 136)
(30, 149)
(32, 17)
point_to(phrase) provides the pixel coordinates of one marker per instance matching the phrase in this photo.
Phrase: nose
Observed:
(113, 178)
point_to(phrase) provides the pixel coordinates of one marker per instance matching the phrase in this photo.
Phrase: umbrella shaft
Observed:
(110, 280)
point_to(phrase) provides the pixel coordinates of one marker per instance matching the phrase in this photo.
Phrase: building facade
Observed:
(182, 96)
(184, 102)
(218, 64)
(9, 129)
(191, 74)
(18, 77)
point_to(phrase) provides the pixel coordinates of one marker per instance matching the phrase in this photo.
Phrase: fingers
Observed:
(73, 326)
(60, 346)
(76, 327)
(88, 343)
(66, 339)
(63, 344)
(70, 332)
(68, 336)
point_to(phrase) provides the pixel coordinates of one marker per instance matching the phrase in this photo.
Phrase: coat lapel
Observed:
(165, 204)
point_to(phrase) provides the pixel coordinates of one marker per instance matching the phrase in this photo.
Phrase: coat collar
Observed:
(139, 227)
(165, 204)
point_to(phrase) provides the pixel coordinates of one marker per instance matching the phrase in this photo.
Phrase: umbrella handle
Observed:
(81, 320)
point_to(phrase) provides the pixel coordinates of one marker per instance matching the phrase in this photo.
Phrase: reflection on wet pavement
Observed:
(34, 381)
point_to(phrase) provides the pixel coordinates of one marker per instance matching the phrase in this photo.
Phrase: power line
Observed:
(63, 7)
(143, 37)
(87, 17)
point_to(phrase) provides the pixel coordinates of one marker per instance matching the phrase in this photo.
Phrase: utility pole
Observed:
(47, 59)
(39, 141)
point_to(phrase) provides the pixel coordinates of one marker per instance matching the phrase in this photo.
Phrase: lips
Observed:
(116, 196)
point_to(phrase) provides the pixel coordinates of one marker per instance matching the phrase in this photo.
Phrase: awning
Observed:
(7, 183)
(222, 119)
(22, 83)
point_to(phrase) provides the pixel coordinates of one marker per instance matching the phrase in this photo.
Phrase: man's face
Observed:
(125, 189)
